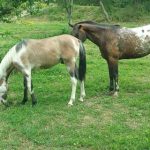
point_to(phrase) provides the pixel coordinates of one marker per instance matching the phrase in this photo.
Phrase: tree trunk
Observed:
(69, 9)
(104, 11)
(31, 2)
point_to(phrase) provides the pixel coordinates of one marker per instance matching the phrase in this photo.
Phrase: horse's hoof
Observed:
(111, 93)
(23, 103)
(81, 99)
(5, 103)
(115, 94)
(70, 104)
(34, 103)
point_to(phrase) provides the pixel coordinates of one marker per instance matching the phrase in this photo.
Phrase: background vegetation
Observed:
(118, 10)
(101, 122)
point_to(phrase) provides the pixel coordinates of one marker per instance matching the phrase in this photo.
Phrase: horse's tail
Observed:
(82, 62)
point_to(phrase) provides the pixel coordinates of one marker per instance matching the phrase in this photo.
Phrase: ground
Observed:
(101, 122)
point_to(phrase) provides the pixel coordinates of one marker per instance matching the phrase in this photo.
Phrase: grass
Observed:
(52, 13)
(101, 122)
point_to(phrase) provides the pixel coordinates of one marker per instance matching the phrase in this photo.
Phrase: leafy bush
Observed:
(128, 13)
(146, 6)
(119, 10)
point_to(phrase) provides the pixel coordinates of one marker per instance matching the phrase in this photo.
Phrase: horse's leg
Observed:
(25, 98)
(116, 86)
(82, 91)
(113, 74)
(111, 84)
(73, 92)
(30, 88)
(34, 101)
(71, 66)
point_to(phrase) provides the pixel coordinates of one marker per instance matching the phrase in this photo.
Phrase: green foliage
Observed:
(146, 6)
(128, 13)
(126, 10)
(5, 7)
(118, 10)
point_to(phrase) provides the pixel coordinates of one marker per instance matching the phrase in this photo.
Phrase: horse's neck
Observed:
(6, 65)
(92, 33)
(93, 37)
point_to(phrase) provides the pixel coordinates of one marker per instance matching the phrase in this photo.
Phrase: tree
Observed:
(104, 11)
(31, 2)
(68, 4)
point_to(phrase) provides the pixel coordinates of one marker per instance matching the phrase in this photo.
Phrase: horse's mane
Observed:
(100, 25)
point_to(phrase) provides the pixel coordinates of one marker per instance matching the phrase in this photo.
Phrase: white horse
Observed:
(44, 53)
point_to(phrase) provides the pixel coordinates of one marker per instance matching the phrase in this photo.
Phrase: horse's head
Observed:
(3, 90)
(78, 31)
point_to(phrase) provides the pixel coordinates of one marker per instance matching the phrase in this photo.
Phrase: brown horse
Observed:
(115, 42)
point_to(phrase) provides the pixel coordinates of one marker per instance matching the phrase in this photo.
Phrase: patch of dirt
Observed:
(121, 108)
(88, 120)
(132, 123)
(93, 105)
(106, 117)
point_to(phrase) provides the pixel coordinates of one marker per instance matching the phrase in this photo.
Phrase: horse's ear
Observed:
(70, 25)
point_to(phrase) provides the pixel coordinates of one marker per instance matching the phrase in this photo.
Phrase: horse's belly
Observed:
(45, 63)
(135, 53)
(132, 49)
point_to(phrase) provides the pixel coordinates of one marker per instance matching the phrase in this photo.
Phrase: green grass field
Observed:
(101, 122)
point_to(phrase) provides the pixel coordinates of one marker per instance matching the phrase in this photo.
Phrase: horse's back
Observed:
(134, 42)
(49, 51)
(69, 46)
